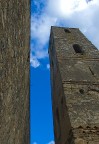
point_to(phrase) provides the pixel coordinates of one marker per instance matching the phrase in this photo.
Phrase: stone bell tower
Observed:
(14, 71)
(74, 64)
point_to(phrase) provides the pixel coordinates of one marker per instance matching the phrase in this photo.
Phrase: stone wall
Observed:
(14, 71)
(75, 87)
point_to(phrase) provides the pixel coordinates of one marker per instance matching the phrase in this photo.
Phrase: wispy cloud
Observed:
(40, 27)
(40, 31)
(34, 62)
(51, 142)
(70, 13)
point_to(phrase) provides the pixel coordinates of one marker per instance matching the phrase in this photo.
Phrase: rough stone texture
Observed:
(75, 87)
(14, 71)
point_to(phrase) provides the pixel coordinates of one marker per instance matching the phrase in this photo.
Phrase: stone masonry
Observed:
(14, 71)
(74, 64)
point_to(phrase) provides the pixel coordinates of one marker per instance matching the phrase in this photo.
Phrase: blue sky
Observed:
(83, 14)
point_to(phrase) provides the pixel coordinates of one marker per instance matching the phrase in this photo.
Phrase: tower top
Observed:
(68, 45)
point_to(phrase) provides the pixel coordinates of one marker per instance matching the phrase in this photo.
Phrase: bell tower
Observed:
(74, 65)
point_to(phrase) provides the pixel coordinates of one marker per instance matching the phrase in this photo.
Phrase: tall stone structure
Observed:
(74, 63)
(14, 71)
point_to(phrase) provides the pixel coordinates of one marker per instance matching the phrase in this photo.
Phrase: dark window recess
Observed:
(81, 91)
(67, 30)
(78, 49)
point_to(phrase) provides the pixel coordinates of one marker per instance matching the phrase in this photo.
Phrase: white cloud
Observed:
(64, 8)
(34, 62)
(40, 31)
(39, 50)
(40, 27)
(82, 14)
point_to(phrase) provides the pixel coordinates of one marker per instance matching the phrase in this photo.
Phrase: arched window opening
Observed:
(81, 91)
(67, 30)
(77, 48)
